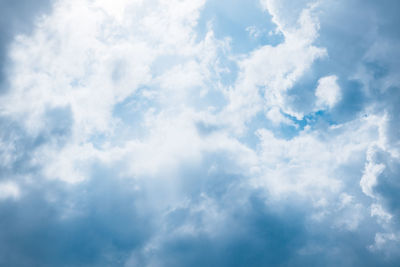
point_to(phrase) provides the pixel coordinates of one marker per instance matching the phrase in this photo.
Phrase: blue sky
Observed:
(199, 133)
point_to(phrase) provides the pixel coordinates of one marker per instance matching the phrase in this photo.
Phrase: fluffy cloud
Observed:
(270, 71)
(327, 92)
(136, 134)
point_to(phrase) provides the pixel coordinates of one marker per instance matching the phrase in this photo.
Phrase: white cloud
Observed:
(91, 66)
(313, 167)
(182, 125)
(273, 70)
(378, 211)
(9, 190)
(328, 92)
(371, 172)
(381, 240)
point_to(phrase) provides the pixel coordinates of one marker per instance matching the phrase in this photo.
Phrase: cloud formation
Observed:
(196, 133)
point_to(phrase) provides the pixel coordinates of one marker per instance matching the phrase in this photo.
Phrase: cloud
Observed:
(327, 92)
(16, 17)
(157, 133)
(273, 70)
(9, 190)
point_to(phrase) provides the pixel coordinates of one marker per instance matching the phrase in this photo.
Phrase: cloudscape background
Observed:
(199, 133)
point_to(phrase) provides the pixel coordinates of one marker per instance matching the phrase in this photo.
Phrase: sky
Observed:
(199, 133)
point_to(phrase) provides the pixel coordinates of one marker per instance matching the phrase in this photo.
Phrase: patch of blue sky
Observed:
(98, 139)
(311, 120)
(243, 22)
(285, 131)
(228, 76)
(129, 115)
(250, 138)
(208, 98)
(165, 62)
(132, 108)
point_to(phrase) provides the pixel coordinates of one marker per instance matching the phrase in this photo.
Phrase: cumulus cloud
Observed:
(327, 92)
(138, 134)
(273, 70)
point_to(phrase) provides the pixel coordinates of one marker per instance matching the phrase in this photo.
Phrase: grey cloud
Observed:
(22, 145)
(388, 182)
(16, 17)
(210, 218)
(361, 39)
